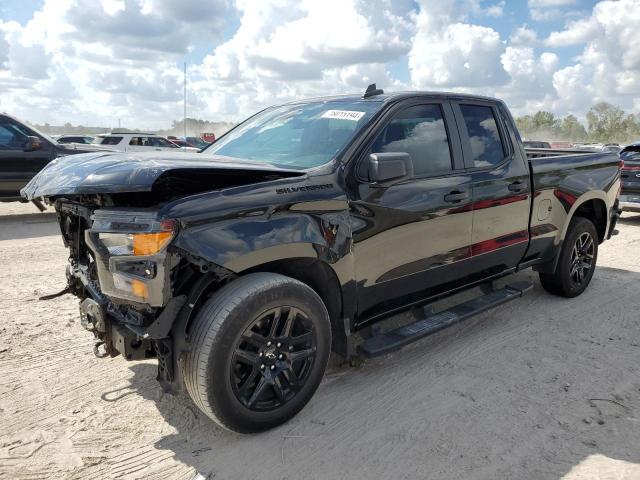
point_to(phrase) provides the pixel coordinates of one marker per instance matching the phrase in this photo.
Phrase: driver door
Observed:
(411, 239)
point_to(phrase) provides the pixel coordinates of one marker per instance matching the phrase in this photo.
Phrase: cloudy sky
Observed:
(97, 61)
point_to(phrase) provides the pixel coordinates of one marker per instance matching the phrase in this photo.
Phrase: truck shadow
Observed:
(21, 226)
(629, 219)
(504, 395)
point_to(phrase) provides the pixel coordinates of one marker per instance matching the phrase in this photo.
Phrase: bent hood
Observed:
(103, 172)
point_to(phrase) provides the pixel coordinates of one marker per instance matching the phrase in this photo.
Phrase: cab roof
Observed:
(395, 96)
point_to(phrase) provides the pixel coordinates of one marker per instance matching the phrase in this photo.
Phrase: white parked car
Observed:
(138, 142)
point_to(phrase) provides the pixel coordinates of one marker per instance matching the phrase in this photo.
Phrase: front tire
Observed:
(259, 349)
(577, 261)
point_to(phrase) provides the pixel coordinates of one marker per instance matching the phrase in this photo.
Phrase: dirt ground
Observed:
(541, 388)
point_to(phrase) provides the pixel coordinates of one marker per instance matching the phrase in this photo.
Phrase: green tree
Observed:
(525, 125)
(571, 129)
(540, 126)
(606, 123)
(545, 121)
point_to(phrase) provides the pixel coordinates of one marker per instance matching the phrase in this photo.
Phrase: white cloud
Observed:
(550, 3)
(447, 52)
(124, 60)
(576, 33)
(609, 67)
(281, 52)
(496, 10)
(549, 10)
(524, 36)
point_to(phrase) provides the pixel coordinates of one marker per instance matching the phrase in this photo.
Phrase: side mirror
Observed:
(390, 167)
(32, 143)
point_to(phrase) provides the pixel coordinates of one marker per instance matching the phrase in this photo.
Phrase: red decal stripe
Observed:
(565, 197)
(482, 204)
(499, 242)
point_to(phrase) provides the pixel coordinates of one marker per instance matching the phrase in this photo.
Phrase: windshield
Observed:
(299, 136)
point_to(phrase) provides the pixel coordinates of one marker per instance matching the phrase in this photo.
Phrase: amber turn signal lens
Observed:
(139, 289)
(150, 243)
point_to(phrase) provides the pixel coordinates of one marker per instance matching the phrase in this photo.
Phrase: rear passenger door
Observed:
(500, 183)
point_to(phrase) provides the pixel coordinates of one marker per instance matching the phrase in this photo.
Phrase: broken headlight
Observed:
(136, 243)
(131, 248)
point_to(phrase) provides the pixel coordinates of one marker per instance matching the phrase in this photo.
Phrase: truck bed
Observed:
(553, 152)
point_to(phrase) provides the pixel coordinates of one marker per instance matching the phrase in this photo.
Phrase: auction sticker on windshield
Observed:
(343, 114)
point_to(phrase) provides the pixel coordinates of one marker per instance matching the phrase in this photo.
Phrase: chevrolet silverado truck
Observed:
(24, 151)
(241, 268)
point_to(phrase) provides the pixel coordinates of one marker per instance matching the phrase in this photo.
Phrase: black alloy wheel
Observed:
(273, 358)
(582, 257)
(577, 261)
(259, 347)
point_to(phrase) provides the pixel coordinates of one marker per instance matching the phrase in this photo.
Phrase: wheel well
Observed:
(596, 211)
(314, 273)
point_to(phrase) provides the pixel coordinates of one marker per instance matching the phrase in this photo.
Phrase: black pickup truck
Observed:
(24, 151)
(241, 268)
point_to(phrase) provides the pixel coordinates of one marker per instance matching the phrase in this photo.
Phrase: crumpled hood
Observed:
(106, 172)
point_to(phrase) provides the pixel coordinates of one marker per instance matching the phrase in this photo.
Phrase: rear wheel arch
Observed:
(596, 211)
(592, 206)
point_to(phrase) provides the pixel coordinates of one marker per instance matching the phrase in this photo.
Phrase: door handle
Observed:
(517, 186)
(455, 196)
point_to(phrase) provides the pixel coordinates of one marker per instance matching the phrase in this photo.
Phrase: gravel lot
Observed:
(541, 388)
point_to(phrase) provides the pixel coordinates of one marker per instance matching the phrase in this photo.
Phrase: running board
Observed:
(396, 339)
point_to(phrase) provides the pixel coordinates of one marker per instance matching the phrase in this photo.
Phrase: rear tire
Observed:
(259, 349)
(577, 261)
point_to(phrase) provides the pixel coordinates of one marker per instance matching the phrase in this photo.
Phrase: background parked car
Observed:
(209, 137)
(84, 139)
(630, 176)
(184, 144)
(24, 151)
(611, 147)
(198, 142)
(535, 144)
(138, 142)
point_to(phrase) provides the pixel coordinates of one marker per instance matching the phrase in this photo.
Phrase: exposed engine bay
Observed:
(131, 284)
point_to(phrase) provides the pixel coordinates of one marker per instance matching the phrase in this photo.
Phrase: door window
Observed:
(161, 142)
(111, 140)
(486, 144)
(12, 137)
(419, 131)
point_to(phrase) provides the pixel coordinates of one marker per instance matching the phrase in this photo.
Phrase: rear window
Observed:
(151, 142)
(71, 140)
(111, 140)
(631, 154)
(484, 136)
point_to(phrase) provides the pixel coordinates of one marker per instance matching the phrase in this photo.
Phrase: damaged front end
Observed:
(132, 284)
(137, 290)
